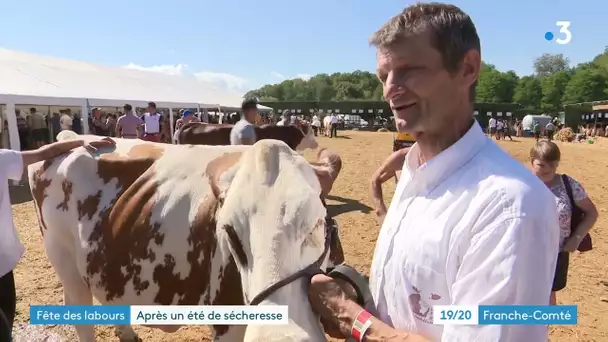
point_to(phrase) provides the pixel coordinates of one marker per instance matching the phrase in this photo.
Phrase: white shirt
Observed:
(550, 126)
(333, 119)
(151, 123)
(11, 249)
(492, 122)
(65, 122)
(282, 122)
(500, 125)
(472, 226)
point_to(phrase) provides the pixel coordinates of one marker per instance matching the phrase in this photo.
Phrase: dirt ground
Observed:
(362, 153)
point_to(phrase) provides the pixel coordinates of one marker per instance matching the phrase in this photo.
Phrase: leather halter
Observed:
(309, 271)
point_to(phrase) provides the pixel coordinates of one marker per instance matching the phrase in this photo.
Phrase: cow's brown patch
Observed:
(202, 243)
(66, 186)
(38, 190)
(218, 166)
(123, 231)
(89, 206)
(146, 151)
(230, 292)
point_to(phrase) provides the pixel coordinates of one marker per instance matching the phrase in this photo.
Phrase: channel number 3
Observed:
(564, 28)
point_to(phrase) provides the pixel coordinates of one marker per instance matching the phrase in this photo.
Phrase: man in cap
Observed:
(243, 132)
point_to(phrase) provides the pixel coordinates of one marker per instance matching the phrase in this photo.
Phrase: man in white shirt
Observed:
(468, 224)
(152, 123)
(12, 164)
(243, 132)
(492, 127)
(333, 121)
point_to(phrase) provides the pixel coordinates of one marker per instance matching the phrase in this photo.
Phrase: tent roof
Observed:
(39, 80)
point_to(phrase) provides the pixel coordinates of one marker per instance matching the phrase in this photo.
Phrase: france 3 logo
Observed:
(564, 29)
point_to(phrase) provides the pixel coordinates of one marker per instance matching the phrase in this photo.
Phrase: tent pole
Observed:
(13, 131)
(84, 116)
(171, 125)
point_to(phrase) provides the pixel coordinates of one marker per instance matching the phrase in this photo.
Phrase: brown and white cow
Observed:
(149, 223)
(299, 138)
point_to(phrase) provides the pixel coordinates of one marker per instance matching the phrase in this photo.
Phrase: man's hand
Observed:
(95, 144)
(380, 210)
(327, 296)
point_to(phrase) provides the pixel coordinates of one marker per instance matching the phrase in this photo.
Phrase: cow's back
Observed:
(200, 133)
(138, 221)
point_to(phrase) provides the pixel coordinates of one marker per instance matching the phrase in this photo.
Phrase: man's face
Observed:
(421, 92)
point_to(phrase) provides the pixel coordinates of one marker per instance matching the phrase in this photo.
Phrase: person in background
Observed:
(333, 121)
(111, 124)
(12, 165)
(500, 128)
(40, 131)
(492, 127)
(77, 124)
(152, 123)
(285, 119)
(468, 223)
(519, 129)
(99, 123)
(128, 125)
(386, 171)
(66, 122)
(56, 125)
(243, 132)
(507, 130)
(545, 157)
(316, 124)
(23, 130)
(550, 130)
(536, 129)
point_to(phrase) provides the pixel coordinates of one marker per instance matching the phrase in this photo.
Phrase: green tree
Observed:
(588, 83)
(528, 92)
(548, 64)
(553, 89)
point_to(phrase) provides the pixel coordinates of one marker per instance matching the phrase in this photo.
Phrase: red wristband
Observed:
(361, 324)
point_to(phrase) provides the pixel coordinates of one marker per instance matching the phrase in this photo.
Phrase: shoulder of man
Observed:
(511, 191)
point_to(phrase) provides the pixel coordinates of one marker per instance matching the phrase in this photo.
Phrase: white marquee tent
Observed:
(28, 79)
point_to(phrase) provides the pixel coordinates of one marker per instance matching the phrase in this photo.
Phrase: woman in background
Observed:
(545, 157)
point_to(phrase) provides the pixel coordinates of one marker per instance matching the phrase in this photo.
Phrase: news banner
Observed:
(278, 314)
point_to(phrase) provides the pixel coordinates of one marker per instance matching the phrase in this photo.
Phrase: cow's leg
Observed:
(228, 333)
(75, 291)
(125, 333)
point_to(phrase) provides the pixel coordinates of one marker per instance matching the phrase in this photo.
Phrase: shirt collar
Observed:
(434, 171)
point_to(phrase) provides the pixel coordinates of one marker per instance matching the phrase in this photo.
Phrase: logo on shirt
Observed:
(421, 309)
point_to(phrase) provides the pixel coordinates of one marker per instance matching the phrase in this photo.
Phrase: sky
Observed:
(241, 45)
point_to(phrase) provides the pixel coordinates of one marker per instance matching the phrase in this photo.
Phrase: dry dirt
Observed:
(362, 153)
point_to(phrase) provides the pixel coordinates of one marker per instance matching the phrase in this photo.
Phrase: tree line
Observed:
(554, 84)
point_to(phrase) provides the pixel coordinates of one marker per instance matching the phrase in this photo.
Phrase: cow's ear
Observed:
(220, 173)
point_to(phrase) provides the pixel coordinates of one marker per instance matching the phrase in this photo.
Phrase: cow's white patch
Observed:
(273, 203)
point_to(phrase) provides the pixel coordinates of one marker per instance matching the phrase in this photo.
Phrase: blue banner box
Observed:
(80, 314)
(528, 314)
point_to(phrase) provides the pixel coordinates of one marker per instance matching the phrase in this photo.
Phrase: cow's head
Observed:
(272, 221)
(309, 141)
